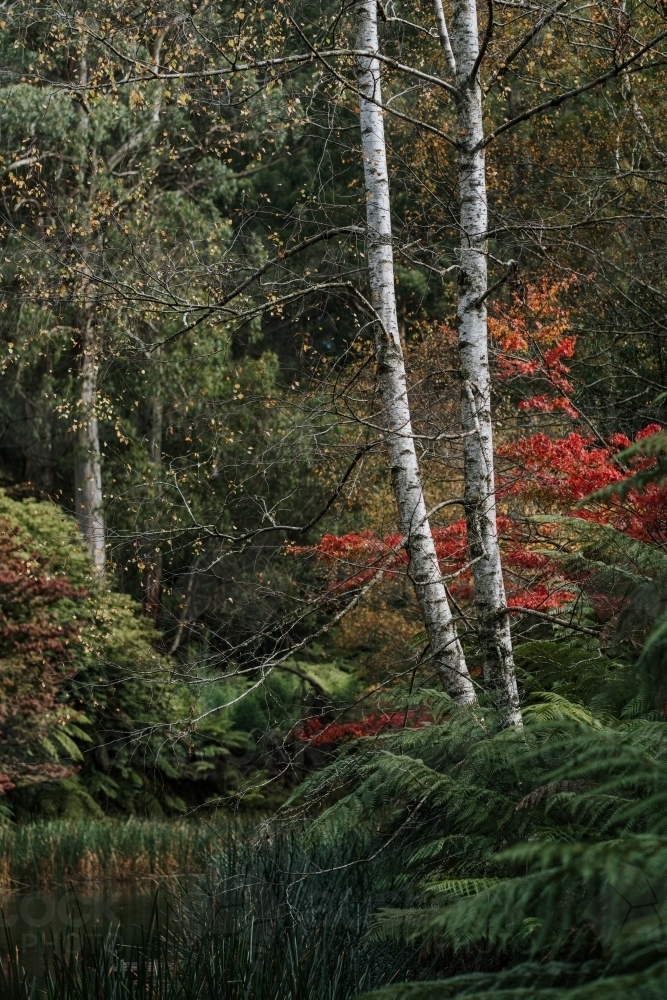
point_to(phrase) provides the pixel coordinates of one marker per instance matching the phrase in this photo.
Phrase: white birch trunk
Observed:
(444, 37)
(490, 599)
(424, 569)
(87, 459)
(88, 466)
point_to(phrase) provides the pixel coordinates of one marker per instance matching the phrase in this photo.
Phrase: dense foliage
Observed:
(532, 857)
(94, 708)
(210, 590)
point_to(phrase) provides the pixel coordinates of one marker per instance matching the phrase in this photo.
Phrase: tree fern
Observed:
(533, 860)
(608, 560)
(652, 448)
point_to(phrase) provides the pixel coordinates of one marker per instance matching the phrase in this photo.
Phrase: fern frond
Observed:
(456, 888)
(536, 981)
(616, 557)
(554, 706)
(654, 446)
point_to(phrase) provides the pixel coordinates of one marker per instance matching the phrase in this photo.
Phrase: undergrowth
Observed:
(535, 857)
(453, 859)
(58, 851)
(448, 857)
(271, 921)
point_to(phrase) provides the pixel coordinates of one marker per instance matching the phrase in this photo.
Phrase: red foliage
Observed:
(35, 656)
(317, 732)
(549, 404)
(562, 472)
(355, 558)
(533, 321)
(533, 342)
(555, 475)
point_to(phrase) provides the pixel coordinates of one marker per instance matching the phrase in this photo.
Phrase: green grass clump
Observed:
(271, 920)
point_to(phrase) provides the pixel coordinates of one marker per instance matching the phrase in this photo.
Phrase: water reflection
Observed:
(35, 919)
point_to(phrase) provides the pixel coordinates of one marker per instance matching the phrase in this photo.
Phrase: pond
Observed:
(38, 919)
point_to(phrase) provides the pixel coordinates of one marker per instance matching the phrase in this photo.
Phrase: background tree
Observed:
(226, 264)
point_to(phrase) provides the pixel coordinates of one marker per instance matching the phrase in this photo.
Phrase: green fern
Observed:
(611, 560)
(654, 446)
(535, 857)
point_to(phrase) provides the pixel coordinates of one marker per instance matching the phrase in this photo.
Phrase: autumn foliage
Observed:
(531, 337)
(318, 732)
(546, 475)
(561, 473)
(539, 475)
(35, 658)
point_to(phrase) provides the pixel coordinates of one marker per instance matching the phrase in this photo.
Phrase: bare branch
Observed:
(552, 618)
(526, 40)
(443, 34)
(488, 35)
(555, 102)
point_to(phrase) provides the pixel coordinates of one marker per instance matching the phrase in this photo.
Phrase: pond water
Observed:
(35, 919)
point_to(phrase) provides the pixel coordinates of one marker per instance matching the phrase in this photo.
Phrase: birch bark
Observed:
(88, 465)
(424, 569)
(480, 497)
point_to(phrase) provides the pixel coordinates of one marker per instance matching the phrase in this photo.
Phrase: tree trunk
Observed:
(185, 610)
(480, 498)
(87, 464)
(153, 571)
(424, 569)
(88, 467)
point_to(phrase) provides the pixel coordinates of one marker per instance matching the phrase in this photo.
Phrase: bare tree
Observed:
(88, 498)
(480, 491)
(88, 466)
(413, 517)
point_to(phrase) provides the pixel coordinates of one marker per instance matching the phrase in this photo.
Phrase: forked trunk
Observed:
(480, 496)
(424, 569)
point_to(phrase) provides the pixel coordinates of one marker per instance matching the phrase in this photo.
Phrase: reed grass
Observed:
(63, 851)
(271, 920)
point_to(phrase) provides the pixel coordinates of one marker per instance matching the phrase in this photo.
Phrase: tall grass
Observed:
(270, 921)
(45, 853)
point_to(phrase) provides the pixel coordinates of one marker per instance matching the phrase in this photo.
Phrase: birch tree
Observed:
(153, 571)
(408, 490)
(88, 499)
(464, 58)
(88, 463)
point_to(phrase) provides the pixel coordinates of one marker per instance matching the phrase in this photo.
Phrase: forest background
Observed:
(212, 583)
